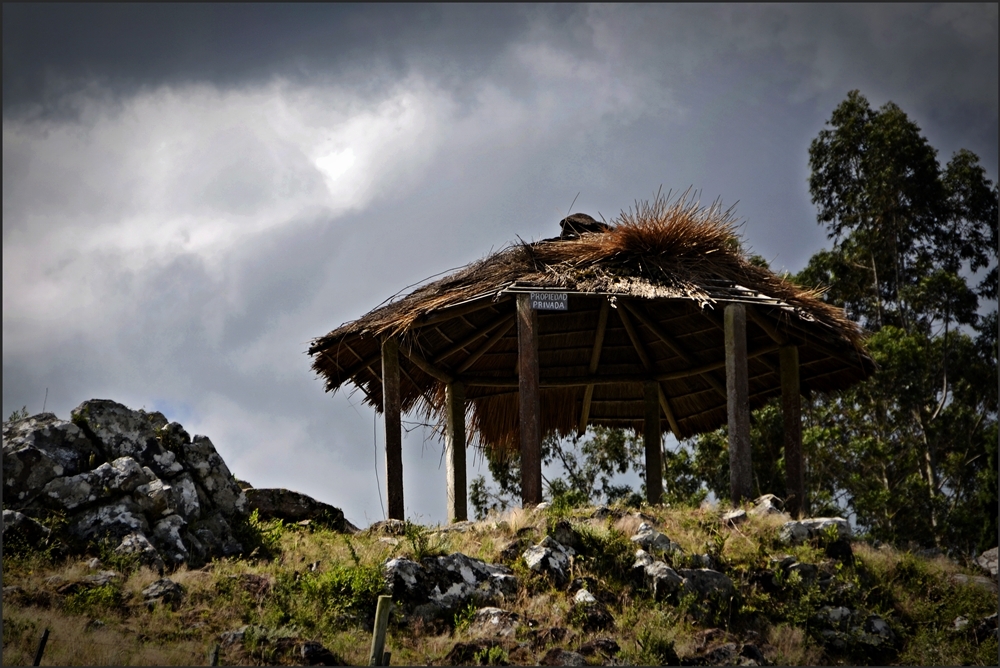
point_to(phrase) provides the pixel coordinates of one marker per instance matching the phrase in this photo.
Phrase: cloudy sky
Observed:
(191, 193)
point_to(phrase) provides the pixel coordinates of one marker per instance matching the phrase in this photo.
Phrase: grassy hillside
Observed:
(310, 584)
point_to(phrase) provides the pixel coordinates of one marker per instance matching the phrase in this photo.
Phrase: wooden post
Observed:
(740, 468)
(530, 408)
(791, 411)
(376, 656)
(41, 648)
(652, 438)
(454, 451)
(393, 428)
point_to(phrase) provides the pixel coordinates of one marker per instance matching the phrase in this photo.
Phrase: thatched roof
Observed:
(666, 269)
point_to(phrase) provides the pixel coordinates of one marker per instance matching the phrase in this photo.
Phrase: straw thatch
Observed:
(666, 267)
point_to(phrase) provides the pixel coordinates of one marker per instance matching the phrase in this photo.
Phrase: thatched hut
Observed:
(655, 321)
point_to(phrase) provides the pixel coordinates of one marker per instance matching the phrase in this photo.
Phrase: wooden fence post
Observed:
(377, 655)
(530, 409)
(393, 428)
(738, 404)
(41, 648)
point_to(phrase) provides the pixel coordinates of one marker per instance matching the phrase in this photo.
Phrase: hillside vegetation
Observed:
(308, 595)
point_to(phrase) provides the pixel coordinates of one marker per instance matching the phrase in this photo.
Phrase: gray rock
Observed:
(706, 583)
(155, 497)
(808, 572)
(584, 597)
(768, 504)
(975, 580)
(734, 517)
(38, 449)
(216, 536)
(798, 532)
(167, 534)
(662, 581)
(439, 585)
(121, 476)
(122, 432)
(184, 497)
(102, 578)
(551, 558)
(837, 618)
(988, 561)
(163, 590)
(494, 622)
(28, 529)
(294, 507)
(202, 460)
(113, 520)
(566, 535)
(653, 541)
(136, 543)
(562, 657)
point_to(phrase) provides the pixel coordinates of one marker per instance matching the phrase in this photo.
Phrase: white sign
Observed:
(550, 301)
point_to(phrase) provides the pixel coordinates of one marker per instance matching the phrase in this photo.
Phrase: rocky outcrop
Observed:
(124, 476)
(798, 532)
(441, 585)
(295, 507)
(988, 562)
(550, 557)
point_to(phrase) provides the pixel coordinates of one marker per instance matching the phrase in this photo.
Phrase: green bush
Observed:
(259, 537)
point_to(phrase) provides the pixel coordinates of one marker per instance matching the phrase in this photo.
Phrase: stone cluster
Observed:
(124, 476)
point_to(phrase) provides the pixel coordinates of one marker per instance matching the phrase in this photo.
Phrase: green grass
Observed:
(283, 602)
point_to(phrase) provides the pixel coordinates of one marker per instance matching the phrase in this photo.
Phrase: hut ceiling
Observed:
(645, 303)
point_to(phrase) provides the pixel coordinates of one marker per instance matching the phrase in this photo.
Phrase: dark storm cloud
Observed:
(50, 50)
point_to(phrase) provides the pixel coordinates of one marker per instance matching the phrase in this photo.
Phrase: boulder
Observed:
(163, 590)
(797, 532)
(564, 533)
(589, 614)
(653, 541)
(39, 448)
(562, 657)
(706, 583)
(136, 543)
(121, 432)
(661, 580)
(494, 622)
(439, 585)
(315, 654)
(202, 460)
(167, 535)
(122, 475)
(113, 521)
(551, 558)
(604, 648)
(294, 507)
(988, 562)
(768, 504)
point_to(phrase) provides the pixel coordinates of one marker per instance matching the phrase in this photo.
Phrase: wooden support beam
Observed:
(393, 428)
(634, 338)
(577, 381)
(652, 439)
(425, 366)
(479, 333)
(483, 349)
(668, 411)
(762, 321)
(672, 344)
(738, 404)
(454, 455)
(791, 411)
(530, 407)
(449, 312)
(595, 358)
